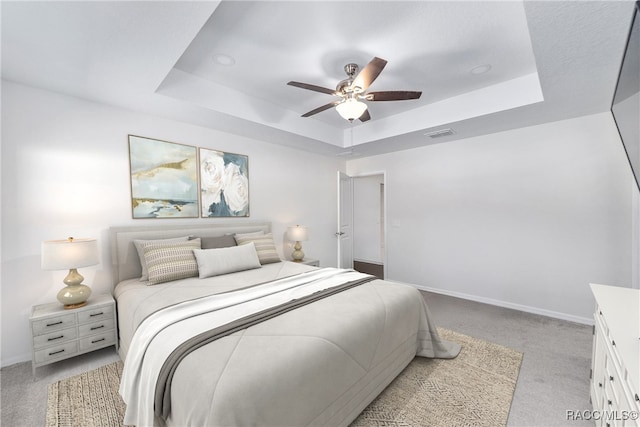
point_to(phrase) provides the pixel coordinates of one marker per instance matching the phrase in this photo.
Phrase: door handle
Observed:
(339, 233)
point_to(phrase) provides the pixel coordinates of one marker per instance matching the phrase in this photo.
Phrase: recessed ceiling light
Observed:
(481, 69)
(224, 59)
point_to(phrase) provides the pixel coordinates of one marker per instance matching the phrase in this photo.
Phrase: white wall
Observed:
(525, 218)
(65, 172)
(367, 233)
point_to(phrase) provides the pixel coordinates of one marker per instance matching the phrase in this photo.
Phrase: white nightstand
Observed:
(59, 334)
(311, 261)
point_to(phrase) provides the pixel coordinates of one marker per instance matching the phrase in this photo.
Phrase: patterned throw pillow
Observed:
(171, 261)
(265, 247)
(139, 248)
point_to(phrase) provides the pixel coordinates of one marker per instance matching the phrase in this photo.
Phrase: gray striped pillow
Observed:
(170, 261)
(265, 247)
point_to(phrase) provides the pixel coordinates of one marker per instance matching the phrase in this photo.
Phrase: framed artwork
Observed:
(224, 184)
(164, 179)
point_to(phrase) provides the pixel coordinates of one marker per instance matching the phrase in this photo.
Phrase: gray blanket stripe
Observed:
(162, 401)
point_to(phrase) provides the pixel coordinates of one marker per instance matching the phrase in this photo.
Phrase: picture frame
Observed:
(164, 179)
(224, 184)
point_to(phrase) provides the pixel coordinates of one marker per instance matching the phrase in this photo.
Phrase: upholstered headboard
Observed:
(125, 261)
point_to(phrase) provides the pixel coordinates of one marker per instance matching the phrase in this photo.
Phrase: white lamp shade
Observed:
(298, 233)
(68, 254)
(351, 109)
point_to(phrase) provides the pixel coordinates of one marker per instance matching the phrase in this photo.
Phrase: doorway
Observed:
(369, 224)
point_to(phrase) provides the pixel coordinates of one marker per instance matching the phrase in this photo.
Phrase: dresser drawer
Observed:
(54, 338)
(95, 327)
(97, 341)
(59, 351)
(95, 314)
(610, 409)
(56, 323)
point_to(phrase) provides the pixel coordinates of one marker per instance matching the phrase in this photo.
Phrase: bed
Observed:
(277, 344)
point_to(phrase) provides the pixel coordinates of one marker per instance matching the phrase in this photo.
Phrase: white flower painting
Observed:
(224, 184)
(164, 182)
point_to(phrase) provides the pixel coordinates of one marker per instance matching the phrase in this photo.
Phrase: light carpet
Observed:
(474, 389)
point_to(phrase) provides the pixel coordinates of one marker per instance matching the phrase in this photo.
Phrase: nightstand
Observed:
(59, 334)
(311, 261)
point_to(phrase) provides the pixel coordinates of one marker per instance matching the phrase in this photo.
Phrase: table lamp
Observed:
(298, 234)
(71, 254)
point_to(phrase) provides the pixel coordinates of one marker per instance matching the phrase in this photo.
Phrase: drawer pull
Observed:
(609, 402)
(637, 398)
(96, 341)
(599, 384)
(56, 352)
(55, 338)
(613, 342)
(54, 324)
(610, 377)
(97, 327)
(96, 314)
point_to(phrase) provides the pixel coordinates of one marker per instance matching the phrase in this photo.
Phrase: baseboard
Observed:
(17, 359)
(506, 304)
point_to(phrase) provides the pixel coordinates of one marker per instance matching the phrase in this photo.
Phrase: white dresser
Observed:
(615, 363)
(59, 334)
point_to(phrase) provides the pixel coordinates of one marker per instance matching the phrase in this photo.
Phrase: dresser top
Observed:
(57, 308)
(621, 310)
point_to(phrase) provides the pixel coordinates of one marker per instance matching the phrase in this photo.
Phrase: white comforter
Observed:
(320, 364)
(162, 332)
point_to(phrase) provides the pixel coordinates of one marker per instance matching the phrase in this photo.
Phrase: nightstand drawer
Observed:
(95, 327)
(55, 337)
(53, 324)
(58, 334)
(59, 351)
(97, 341)
(95, 314)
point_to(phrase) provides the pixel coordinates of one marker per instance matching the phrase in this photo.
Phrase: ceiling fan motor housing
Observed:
(345, 86)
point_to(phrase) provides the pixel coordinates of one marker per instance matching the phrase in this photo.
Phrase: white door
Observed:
(345, 221)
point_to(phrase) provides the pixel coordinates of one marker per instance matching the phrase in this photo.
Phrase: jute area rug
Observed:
(474, 389)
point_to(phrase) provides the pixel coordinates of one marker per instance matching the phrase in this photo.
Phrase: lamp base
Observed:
(72, 306)
(297, 254)
(74, 296)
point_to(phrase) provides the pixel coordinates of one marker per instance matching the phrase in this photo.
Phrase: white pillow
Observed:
(214, 262)
(139, 244)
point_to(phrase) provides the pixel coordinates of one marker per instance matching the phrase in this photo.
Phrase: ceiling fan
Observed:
(352, 91)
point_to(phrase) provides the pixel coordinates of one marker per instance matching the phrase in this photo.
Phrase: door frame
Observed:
(385, 256)
(343, 176)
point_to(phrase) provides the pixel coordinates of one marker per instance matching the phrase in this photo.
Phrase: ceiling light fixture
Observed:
(224, 59)
(351, 109)
(481, 69)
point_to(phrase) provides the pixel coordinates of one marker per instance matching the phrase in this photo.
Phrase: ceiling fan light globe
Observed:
(351, 109)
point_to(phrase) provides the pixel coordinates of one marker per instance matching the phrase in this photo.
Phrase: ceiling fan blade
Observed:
(368, 74)
(312, 87)
(320, 109)
(365, 116)
(392, 95)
